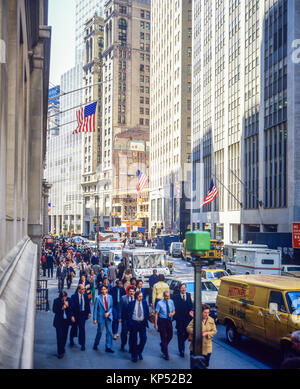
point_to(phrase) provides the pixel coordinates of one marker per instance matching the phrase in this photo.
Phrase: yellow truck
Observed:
(265, 308)
(215, 251)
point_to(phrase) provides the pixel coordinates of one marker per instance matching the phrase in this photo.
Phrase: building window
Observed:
(275, 170)
(123, 10)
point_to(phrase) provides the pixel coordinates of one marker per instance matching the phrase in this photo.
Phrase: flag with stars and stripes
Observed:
(142, 180)
(211, 195)
(86, 119)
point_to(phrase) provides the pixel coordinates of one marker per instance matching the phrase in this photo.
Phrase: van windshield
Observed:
(145, 261)
(293, 300)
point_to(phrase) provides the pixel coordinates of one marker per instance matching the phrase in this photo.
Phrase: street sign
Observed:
(296, 235)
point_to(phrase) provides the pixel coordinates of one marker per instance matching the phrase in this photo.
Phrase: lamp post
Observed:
(197, 242)
(130, 176)
(98, 222)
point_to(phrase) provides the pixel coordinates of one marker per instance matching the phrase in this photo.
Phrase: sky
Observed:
(62, 20)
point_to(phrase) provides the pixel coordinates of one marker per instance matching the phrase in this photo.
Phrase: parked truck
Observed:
(164, 241)
(255, 261)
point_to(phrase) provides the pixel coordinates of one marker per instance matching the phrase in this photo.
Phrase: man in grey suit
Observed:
(103, 316)
(112, 274)
(125, 300)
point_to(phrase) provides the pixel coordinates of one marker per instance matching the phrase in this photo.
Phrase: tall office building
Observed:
(246, 135)
(126, 105)
(64, 161)
(83, 12)
(170, 128)
(65, 152)
(91, 169)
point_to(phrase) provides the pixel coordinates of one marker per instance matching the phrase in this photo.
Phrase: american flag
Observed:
(49, 207)
(86, 119)
(142, 180)
(211, 195)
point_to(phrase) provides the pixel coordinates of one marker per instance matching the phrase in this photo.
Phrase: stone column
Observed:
(45, 193)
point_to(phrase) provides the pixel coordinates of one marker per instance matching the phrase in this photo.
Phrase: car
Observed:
(138, 243)
(214, 275)
(209, 290)
(290, 270)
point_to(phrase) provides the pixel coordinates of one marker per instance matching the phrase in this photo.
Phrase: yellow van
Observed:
(265, 308)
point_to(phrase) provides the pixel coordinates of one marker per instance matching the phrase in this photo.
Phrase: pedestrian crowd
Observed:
(121, 302)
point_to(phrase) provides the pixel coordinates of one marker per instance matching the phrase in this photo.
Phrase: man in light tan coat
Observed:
(209, 330)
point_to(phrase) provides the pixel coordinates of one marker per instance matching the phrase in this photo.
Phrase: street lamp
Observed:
(197, 242)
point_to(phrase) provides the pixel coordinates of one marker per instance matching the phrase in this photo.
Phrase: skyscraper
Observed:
(65, 152)
(126, 106)
(246, 135)
(170, 128)
(84, 11)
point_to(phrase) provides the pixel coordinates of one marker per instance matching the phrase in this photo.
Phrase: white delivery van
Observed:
(229, 250)
(176, 249)
(255, 261)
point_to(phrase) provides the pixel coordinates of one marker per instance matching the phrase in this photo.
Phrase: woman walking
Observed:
(209, 330)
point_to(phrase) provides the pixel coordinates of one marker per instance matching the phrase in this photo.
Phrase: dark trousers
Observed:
(165, 328)
(61, 282)
(69, 282)
(135, 329)
(124, 334)
(61, 337)
(150, 296)
(116, 317)
(50, 271)
(79, 326)
(182, 335)
(44, 270)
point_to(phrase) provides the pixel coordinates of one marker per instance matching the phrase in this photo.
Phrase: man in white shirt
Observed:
(138, 316)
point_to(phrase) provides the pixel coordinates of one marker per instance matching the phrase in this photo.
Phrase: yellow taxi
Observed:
(214, 275)
(262, 307)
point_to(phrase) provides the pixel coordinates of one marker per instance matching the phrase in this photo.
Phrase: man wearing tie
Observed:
(80, 306)
(165, 310)
(62, 320)
(125, 300)
(61, 275)
(102, 316)
(183, 316)
(138, 316)
(117, 292)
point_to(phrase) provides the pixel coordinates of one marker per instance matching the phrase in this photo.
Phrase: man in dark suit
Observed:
(138, 316)
(50, 264)
(80, 306)
(183, 316)
(117, 292)
(61, 275)
(125, 300)
(62, 320)
(70, 273)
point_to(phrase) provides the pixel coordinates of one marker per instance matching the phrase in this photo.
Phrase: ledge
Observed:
(18, 272)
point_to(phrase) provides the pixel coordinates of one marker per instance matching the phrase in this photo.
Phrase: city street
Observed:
(249, 355)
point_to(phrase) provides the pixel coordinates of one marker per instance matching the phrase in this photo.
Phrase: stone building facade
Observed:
(24, 80)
